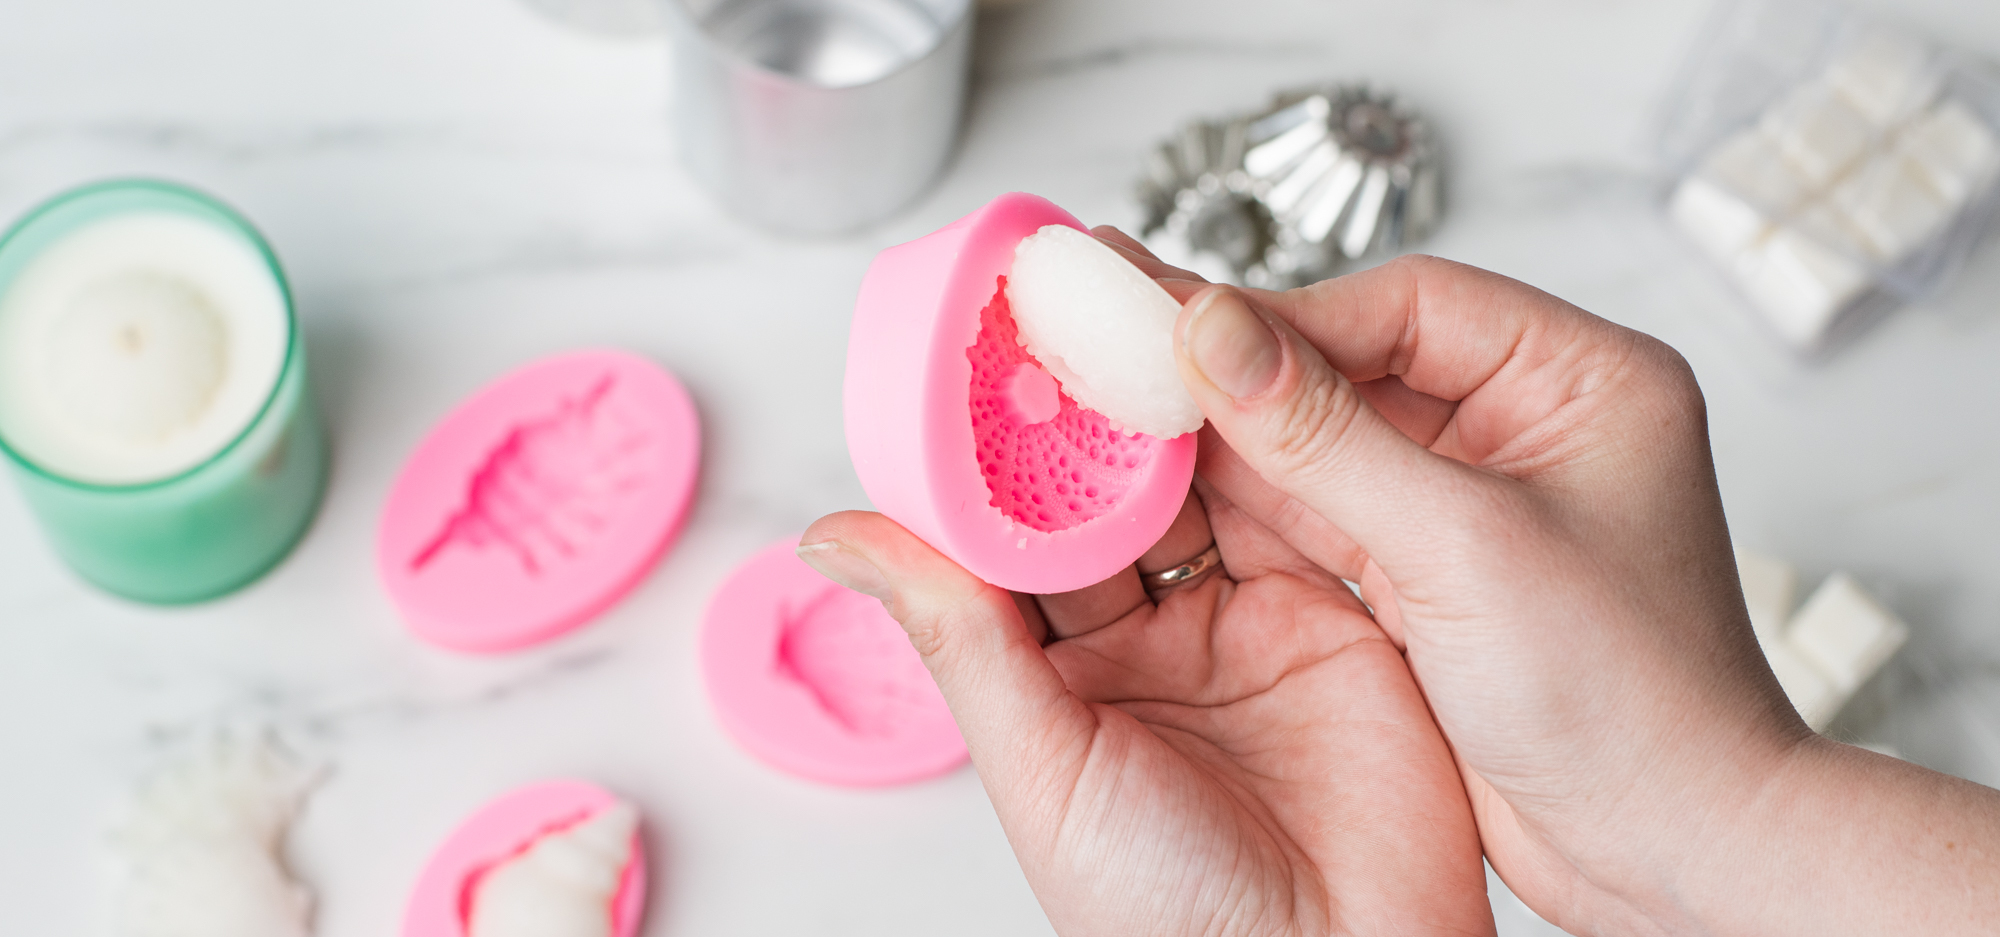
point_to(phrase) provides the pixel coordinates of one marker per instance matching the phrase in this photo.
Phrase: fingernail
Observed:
(1232, 347)
(846, 567)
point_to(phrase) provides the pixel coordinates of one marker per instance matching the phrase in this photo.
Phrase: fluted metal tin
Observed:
(1288, 195)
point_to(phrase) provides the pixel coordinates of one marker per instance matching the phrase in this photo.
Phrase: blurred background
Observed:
(456, 187)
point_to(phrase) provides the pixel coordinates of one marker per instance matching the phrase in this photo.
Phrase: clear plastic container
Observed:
(1834, 165)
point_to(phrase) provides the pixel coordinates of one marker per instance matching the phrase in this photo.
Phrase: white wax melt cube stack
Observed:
(1823, 653)
(1849, 174)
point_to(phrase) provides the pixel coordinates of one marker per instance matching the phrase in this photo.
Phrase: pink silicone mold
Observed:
(819, 681)
(442, 900)
(961, 437)
(539, 501)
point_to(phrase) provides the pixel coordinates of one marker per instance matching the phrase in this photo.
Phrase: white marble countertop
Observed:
(459, 186)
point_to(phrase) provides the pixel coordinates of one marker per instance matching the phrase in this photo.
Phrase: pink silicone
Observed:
(441, 903)
(539, 501)
(936, 410)
(819, 681)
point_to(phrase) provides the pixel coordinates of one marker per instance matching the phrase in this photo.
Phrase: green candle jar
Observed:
(154, 405)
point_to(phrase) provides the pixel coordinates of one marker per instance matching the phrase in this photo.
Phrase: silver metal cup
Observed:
(818, 116)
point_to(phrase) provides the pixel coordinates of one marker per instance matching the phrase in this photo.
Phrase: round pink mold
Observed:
(441, 903)
(817, 680)
(950, 426)
(539, 501)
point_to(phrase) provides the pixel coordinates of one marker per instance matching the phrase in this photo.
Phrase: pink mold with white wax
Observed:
(441, 903)
(961, 437)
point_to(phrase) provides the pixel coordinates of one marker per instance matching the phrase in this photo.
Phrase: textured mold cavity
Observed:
(1032, 396)
(1051, 474)
(553, 484)
(857, 664)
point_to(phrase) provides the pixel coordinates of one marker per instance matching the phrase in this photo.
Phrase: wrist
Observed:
(1755, 825)
(1839, 840)
(1691, 835)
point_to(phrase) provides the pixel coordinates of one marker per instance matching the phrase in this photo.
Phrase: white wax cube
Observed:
(1817, 132)
(1715, 219)
(1750, 166)
(1828, 227)
(1769, 587)
(1954, 151)
(1810, 691)
(1891, 205)
(1845, 633)
(1886, 75)
(1800, 285)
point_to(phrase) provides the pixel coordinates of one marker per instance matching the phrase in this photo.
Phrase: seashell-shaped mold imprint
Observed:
(441, 902)
(961, 437)
(817, 680)
(539, 501)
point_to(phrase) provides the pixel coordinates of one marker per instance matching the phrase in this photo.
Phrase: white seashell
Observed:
(1104, 330)
(562, 885)
(199, 853)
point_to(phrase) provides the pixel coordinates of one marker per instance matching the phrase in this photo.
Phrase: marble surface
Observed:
(459, 186)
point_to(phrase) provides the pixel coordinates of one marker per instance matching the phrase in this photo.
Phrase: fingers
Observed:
(1508, 355)
(1011, 704)
(1185, 539)
(1178, 283)
(1251, 550)
(1141, 257)
(1033, 619)
(1074, 614)
(1420, 416)
(1226, 476)
(1305, 429)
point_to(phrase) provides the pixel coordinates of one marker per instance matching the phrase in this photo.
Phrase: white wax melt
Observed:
(1889, 203)
(1884, 75)
(136, 347)
(1956, 153)
(200, 851)
(1750, 164)
(562, 885)
(1719, 221)
(1846, 633)
(1846, 187)
(1769, 585)
(1806, 688)
(1104, 329)
(1818, 133)
(1826, 651)
(1801, 285)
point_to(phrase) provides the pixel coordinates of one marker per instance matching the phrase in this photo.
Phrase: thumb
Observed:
(1306, 430)
(1018, 717)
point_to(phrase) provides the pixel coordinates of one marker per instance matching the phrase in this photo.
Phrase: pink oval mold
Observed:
(818, 681)
(539, 501)
(441, 902)
(956, 436)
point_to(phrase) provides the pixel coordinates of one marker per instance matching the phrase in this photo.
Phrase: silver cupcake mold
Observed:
(1291, 194)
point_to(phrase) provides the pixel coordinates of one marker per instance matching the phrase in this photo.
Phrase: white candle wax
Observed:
(136, 347)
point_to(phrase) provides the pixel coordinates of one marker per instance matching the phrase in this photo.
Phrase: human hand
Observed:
(1525, 494)
(1247, 755)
